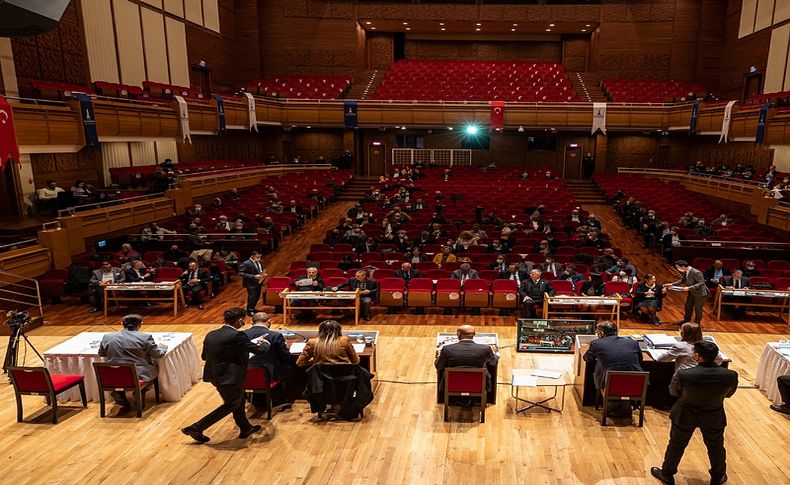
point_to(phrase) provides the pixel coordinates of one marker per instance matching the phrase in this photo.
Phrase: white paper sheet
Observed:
(359, 348)
(298, 347)
(523, 380)
(549, 374)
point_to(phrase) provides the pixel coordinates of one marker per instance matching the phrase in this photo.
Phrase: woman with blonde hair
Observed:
(330, 347)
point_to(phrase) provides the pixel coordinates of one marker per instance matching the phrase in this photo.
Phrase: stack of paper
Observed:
(660, 340)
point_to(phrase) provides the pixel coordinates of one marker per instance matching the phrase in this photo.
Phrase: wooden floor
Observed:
(402, 438)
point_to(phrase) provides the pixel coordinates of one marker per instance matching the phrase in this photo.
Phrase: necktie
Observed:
(194, 275)
(737, 283)
(258, 266)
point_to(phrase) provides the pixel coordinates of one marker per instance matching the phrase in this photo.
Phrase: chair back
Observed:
(257, 379)
(562, 287)
(116, 375)
(617, 287)
(31, 379)
(168, 274)
(466, 381)
(625, 385)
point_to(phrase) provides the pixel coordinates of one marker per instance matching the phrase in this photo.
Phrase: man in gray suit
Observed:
(101, 278)
(465, 272)
(694, 282)
(131, 346)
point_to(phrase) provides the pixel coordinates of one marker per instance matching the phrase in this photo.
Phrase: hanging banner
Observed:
(497, 115)
(599, 118)
(725, 123)
(252, 117)
(9, 148)
(220, 114)
(183, 115)
(350, 113)
(88, 120)
(761, 120)
(694, 116)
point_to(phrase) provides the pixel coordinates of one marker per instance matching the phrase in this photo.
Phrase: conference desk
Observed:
(364, 340)
(447, 338)
(746, 297)
(660, 375)
(774, 362)
(168, 291)
(560, 304)
(351, 298)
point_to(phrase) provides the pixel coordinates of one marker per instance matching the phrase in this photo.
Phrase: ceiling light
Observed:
(478, 29)
(403, 127)
(584, 30)
(450, 128)
(551, 25)
(367, 23)
(443, 28)
(588, 25)
(512, 30)
(478, 24)
(548, 30)
(405, 23)
(441, 23)
(471, 129)
(373, 28)
(515, 25)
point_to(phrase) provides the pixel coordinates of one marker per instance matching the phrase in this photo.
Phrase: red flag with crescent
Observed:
(8, 144)
(497, 115)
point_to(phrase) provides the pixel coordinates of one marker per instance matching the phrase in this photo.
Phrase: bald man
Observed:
(465, 353)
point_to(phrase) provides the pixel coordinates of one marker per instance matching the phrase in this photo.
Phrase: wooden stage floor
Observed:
(403, 438)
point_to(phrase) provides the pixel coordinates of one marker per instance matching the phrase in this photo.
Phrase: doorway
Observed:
(376, 159)
(572, 161)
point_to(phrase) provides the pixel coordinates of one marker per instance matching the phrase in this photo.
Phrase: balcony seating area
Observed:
(301, 87)
(514, 81)
(142, 175)
(650, 90)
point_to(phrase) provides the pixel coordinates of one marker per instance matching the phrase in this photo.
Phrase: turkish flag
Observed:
(8, 145)
(497, 115)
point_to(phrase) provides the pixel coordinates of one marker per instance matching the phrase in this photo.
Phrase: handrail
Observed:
(201, 234)
(247, 171)
(37, 101)
(17, 243)
(723, 242)
(684, 175)
(20, 278)
(98, 205)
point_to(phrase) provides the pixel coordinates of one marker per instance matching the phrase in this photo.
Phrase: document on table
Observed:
(656, 354)
(660, 340)
(298, 347)
(523, 380)
(677, 288)
(359, 348)
(549, 374)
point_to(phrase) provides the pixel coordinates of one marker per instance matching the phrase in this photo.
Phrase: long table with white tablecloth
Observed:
(774, 362)
(179, 369)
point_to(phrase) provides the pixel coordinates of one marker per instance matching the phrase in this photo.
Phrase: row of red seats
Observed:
(304, 87)
(650, 90)
(149, 92)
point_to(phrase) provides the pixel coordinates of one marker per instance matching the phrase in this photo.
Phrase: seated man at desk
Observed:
(195, 280)
(311, 281)
(611, 352)
(131, 346)
(466, 353)
(532, 292)
(368, 291)
(736, 282)
(100, 278)
(277, 361)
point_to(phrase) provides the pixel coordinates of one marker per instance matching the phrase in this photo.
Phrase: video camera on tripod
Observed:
(16, 320)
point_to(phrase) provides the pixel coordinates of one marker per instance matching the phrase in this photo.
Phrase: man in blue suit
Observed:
(610, 352)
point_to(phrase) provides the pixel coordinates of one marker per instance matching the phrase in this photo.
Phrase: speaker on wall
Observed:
(30, 17)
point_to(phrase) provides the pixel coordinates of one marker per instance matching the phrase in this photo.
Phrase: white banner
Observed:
(725, 122)
(183, 115)
(253, 118)
(599, 118)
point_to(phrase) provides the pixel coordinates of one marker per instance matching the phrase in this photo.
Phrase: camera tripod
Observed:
(12, 351)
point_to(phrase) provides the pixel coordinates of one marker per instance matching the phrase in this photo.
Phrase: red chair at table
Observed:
(625, 386)
(259, 382)
(122, 378)
(37, 381)
(466, 382)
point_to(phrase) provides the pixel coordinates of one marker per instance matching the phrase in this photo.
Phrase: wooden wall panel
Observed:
(155, 46)
(176, 7)
(130, 42)
(777, 65)
(177, 52)
(193, 11)
(58, 55)
(100, 40)
(234, 146)
(221, 51)
(741, 54)
(747, 17)
(764, 16)
(631, 151)
(66, 168)
(211, 15)
(436, 49)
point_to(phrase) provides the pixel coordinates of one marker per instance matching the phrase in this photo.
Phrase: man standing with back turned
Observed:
(701, 390)
(227, 352)
(694, 282)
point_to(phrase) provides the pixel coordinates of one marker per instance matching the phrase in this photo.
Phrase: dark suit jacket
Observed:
(505, 275)
(613, 353)
(202, 274)
(535, 290)
(702, 390)
(248, 271)
(413, 273)
(277, 361)
(227, 353)
(726, 281)
(317, 286)
(351, 285)
(131, 276)
(710, 272)
(695, 282)
(465, 353)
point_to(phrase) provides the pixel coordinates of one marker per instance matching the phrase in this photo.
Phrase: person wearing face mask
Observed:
(625, 276)
(750, 269)
(499, 265)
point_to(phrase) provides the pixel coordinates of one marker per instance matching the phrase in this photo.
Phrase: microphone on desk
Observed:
(284, 330)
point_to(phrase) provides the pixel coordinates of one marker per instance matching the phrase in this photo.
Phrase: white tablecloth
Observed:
(179, 369)
(772, 365)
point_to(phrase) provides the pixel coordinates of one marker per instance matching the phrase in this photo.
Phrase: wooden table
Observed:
(367, 358)
(446, 338)
(291, 296)
(172, 289)
(752, 293)
(660, 375)
(568, 304)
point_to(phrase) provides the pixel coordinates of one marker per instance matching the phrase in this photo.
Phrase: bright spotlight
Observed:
(471, 130)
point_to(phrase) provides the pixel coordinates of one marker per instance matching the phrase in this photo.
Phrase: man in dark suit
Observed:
(101, 278)
(227, 352)
(783, 382)
(195, 279)
(311, 281)
(715, 273)
(532, 291)
(550, 266)
(610, 352)
(698, 293)
(252, 277)
(513, 273)
(737, 280)
(701, 391)
(277, 362)
(500, 264)
(465, 272)
(465, 353)
(368, 291)
(407, 273)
